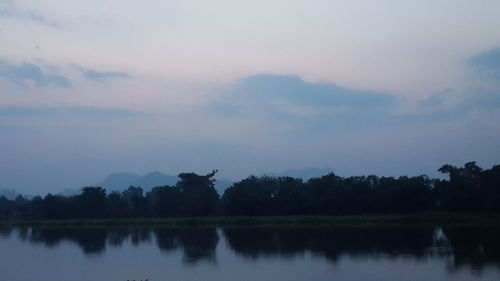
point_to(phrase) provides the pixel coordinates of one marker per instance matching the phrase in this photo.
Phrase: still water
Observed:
(250, 253)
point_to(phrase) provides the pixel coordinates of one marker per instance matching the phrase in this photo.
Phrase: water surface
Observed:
(250, 253)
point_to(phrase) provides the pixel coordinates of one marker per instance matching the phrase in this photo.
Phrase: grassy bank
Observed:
(419, 218)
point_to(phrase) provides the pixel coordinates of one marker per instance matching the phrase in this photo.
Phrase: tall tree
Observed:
(198, 195)
(92, 202)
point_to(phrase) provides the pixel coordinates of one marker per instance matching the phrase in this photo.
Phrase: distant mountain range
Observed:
(11, 194)
(8, 193)
(304, 174)
(121, 181)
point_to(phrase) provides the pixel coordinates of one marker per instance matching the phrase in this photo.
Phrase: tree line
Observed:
(467, 189)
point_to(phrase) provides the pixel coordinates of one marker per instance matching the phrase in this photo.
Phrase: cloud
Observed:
(56, 112)
(292, 88)
(302, 109)
(488, 59)
(484, 88)
(9, 10)
(102, 76)
(319, 107)
(480, 90)
(487, 63)
(20, 74)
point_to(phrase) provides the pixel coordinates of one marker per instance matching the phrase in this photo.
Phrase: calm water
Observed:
(237, 253)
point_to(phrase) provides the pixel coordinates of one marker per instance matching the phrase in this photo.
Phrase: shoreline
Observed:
(314, 220)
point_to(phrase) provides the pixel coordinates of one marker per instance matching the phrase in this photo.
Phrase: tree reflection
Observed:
(90, 240)
(5, 231)
(474, 247)
(329, 242)
(196, 243)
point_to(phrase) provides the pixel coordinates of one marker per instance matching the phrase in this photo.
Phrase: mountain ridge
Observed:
(121, 181)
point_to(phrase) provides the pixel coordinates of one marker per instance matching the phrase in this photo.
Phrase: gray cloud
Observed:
(267, 86)
(102, 76)
(481, 91)
(489, 59)
(18, 74)
(319, 107)
(323, 108)
(484, 91)
(9, 10)
(487, 62)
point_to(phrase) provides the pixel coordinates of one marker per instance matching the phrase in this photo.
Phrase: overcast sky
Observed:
(388, 87)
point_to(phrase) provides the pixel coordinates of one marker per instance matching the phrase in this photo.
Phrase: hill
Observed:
(121, 181)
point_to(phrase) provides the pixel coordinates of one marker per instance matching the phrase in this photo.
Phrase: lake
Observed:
(382, 253)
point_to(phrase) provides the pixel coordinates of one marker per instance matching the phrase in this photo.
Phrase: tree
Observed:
(197, 194)
(250, 197)
(490, 189)
(58, 207)
(165, 201)
(6, 207)
(136, 201)
(117, 207)
(461, 192)
(92, 202)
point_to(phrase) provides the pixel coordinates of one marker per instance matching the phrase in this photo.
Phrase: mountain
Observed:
(154, 179)
(8, 193)
(121, 181)
(113, 182)
(11, 194)
(304, 174)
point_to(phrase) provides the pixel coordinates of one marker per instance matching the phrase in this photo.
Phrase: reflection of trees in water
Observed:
(90, 240)
(23, 233)
(5, 231)
(474, 247)
(196, 243)
(329, 242)
(116, 237)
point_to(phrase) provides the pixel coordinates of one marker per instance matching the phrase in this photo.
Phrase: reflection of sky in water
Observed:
(249, 254)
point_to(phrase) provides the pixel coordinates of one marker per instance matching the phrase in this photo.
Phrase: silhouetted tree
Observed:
(198, 195)
(165, 201)
(136, 201)
(58, 207)
(6, 208)
(469, 188)
(490, 189)
(92, 202)
(117, 206)
(461, 192)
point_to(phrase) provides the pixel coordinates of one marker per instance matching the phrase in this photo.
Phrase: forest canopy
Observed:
(467, 189)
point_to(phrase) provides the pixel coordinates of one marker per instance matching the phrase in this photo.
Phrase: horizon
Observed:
(111, 183)
(388, 88)
(308, 173)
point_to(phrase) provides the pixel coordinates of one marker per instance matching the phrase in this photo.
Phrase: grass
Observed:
(417, 218)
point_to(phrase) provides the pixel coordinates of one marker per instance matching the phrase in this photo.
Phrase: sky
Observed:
(388, 87)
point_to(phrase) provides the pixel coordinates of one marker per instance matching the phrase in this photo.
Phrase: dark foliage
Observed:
(469, 188)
